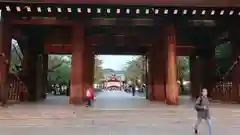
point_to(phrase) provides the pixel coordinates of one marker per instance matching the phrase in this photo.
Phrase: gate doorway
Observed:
(58, 87)
(120, 81)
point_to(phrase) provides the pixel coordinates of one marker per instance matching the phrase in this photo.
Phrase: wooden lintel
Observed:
(44, 22)
(185, 46)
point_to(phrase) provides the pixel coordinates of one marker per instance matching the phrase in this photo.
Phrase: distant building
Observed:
(118, 74)
(113, 79)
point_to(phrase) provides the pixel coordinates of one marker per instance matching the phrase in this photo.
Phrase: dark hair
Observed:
(202, 91)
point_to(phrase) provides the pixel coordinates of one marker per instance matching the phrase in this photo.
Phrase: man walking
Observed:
(133, 90)
(202, 108)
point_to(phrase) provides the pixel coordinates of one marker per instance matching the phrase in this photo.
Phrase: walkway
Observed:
(119, 100)
(114, 113)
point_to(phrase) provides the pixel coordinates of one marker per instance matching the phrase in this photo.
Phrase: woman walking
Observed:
(202, 108)
(90, 96)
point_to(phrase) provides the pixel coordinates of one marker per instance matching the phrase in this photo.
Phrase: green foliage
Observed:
(98, 70)
(16, 57)
(223, 54)
(64, 72)
(223, 50)
(135, 69)
(59, 69)
(183, 67)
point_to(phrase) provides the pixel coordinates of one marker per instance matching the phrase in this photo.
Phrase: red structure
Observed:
(112, 82)
(156, 28)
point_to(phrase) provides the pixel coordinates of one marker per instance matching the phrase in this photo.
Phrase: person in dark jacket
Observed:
(133, 90)
(202, 108)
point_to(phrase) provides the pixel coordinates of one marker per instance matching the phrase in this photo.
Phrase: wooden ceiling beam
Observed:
(49, 21)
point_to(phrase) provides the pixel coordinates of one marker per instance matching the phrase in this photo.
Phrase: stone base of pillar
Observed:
(76, 94)
(173, 101)
(159, 92)
(172, 96)
(76, 100)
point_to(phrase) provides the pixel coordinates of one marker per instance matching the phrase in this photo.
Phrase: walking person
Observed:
(202, 108)
(133, 90)
(90, 96)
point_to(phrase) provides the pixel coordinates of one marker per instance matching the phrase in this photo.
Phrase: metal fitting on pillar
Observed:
(6, 61)
(2, 54)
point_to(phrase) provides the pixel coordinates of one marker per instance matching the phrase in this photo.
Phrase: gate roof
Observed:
(183, 3)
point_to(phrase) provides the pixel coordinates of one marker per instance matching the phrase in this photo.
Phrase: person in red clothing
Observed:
(90, 96)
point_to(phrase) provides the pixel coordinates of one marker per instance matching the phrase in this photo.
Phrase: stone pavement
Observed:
(114, 113)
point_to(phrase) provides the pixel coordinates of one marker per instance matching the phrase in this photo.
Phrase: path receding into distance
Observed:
(114, 113)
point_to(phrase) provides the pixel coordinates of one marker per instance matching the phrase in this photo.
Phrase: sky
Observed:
(115, 62)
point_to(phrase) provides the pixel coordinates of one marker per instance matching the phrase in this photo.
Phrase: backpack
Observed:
(200, 103)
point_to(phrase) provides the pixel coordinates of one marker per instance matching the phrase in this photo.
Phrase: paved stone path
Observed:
(114, 113)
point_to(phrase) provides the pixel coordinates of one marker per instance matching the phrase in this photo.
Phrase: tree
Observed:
(58, 65)
(16, 57)
(63, 71)
(55, 61)
(223, 57)
(183, 68)
(135, 69)
(58, 68)
(98, 71)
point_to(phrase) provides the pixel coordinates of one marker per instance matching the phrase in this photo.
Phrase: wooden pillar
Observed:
(202, 64)
(235, 77)
(235, 38)
(88, 67)
(150, 74)
(172, 91)
(76, 83)
(209, 71)
(5, 48)
(92, 65)
(41, 76)
(91, 68)
(195, 75)
(157, 71)
(148, 86)
(29, 73)
(45, 75)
